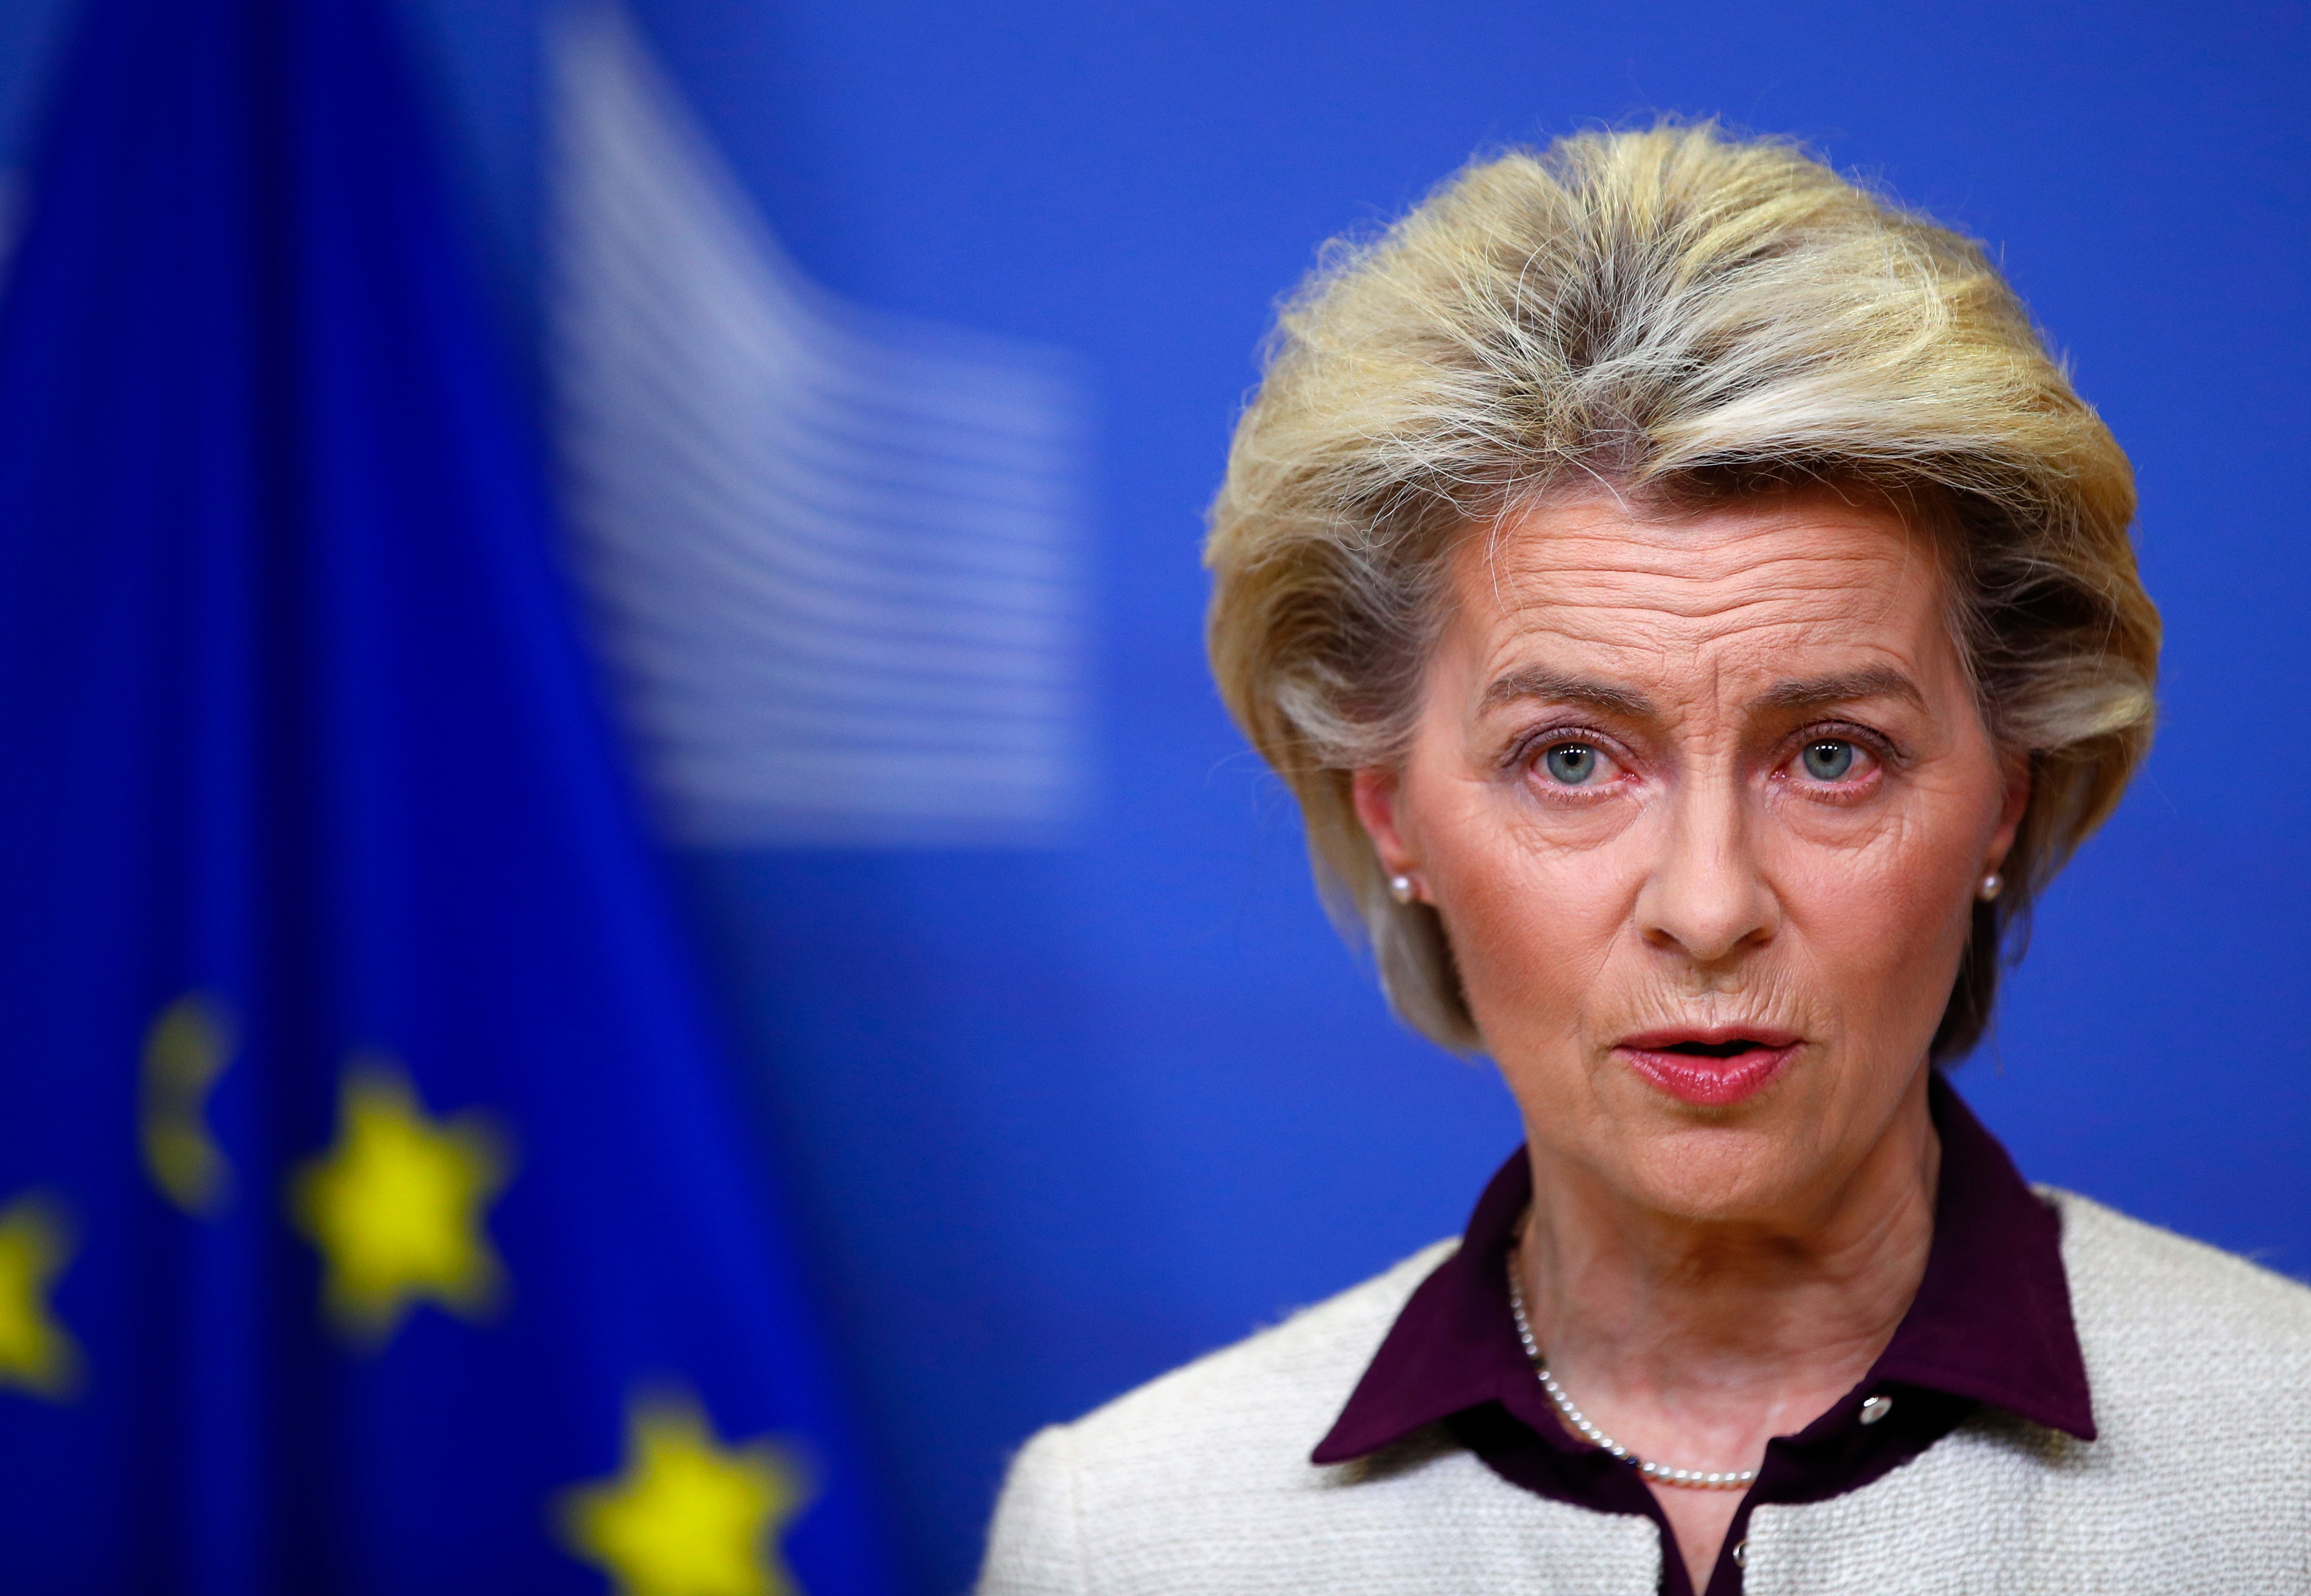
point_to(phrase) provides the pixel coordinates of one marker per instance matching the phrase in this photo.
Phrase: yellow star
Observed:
(37, 1354)
(687, 1517)
(395, 1207)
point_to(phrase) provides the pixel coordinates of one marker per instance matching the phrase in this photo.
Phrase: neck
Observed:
(1705, 1339)
(1692, 1344)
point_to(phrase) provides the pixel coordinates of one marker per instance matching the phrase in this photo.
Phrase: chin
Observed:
(1714, 1174)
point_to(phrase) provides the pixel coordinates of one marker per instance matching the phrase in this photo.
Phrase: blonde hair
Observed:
(1683, 317)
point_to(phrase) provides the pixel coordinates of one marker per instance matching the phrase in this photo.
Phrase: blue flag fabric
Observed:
(370, 1219)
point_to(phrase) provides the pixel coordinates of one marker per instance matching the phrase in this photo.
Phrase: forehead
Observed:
(1750, 587)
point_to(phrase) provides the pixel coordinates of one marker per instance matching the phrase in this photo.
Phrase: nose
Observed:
(1706, 896)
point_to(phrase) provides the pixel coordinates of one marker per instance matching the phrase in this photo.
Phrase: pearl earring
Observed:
(1992, 886)
(1400, 888)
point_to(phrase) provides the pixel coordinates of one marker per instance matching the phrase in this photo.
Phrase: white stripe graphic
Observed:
(833, 558)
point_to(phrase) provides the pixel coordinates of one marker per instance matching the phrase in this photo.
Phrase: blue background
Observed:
(1059, 1119)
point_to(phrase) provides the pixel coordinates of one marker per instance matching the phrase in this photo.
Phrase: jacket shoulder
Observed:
(1200, 1481)
(2162, 1284)
(1194, 1462)
(2180, 1336)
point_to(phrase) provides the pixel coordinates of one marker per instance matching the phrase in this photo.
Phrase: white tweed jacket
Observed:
(1199, 1485)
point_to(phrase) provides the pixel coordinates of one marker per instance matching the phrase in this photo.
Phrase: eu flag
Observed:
(370, 1219)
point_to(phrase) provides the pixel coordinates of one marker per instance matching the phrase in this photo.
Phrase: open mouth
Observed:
(1733, 1049)
(1711, 1068)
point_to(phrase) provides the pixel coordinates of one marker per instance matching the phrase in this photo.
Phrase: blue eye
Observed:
(1827, 760)
(1571, 763)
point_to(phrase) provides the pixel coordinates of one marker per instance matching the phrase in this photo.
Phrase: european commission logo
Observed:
(835, 558)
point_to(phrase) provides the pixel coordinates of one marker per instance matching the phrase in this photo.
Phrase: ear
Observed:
(1378, 792)
(2016, 803)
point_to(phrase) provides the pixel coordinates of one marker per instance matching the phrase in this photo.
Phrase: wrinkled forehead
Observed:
(1748, 589)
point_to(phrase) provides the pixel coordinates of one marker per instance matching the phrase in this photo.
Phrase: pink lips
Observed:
(1708, 1079)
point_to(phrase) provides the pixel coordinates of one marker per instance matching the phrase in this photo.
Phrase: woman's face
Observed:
(1703, 803)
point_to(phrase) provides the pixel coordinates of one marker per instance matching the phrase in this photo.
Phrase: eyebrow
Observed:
(1798, 694)
(1535, 682)
(1843, 687)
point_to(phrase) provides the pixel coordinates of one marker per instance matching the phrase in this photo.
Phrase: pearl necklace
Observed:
(1660, 1474)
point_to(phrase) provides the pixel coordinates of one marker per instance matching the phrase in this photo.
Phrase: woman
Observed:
(1696, 616)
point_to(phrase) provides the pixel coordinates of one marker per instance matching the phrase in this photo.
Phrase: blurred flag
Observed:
(369, 1216)
(834, 556)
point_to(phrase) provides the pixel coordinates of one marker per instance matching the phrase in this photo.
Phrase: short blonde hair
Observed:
(1685, 317)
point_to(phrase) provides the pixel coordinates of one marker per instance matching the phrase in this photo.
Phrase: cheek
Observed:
(1533, 925)
(1882, 919)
